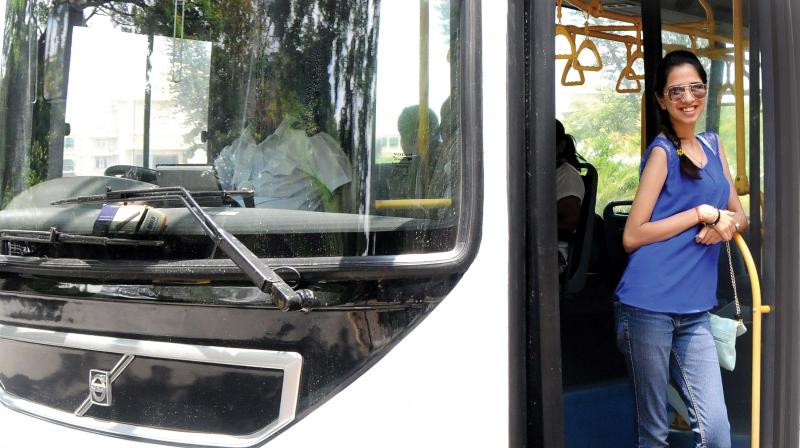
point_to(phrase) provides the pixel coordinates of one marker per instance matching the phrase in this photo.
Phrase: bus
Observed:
(294, 222)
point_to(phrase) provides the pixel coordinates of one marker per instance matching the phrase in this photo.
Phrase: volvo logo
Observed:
(99, 388)
(100, 382)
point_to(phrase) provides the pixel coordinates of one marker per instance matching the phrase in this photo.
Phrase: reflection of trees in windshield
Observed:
(312, 59)
(15, 98)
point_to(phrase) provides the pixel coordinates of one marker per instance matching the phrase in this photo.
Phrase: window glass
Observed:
(344, 128)
(603, 112)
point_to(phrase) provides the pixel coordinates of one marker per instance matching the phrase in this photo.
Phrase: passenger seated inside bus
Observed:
(569, 192)
(290, 169)
(445, 159)
(408, 177)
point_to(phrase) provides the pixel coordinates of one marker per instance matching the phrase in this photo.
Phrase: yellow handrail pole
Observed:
(758, 311)
(643, 126)
(710, 23)
(681, 29)
(741, 183)
(384, 204)
(422, 130)
(601, 34)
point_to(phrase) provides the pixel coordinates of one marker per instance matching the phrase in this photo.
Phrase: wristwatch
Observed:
(736, 224)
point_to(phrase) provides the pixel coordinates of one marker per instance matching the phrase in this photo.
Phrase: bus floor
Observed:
(598, 405)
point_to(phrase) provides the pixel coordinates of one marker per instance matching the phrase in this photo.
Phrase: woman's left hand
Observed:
(707, 236)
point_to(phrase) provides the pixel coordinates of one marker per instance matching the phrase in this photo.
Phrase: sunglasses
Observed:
(698, 90)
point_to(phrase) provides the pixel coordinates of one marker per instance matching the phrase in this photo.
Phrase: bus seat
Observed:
(599, 257)
(580, 249)
(132, 172)
(614, 221)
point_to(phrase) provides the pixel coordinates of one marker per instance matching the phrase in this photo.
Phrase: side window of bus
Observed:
(319, 108)
(602, 109)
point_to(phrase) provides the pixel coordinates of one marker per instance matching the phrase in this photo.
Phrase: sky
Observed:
(397, 65)
(398, 62)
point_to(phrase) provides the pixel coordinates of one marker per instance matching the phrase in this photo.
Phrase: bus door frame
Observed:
(780, 68)
(536, 407)
(535, 392)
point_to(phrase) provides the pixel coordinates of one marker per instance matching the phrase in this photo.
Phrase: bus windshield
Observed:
(340, 131)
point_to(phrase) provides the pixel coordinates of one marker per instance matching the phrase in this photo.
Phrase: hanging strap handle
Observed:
(733, 282)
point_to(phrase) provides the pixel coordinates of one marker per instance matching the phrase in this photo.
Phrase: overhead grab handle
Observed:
(561, 30)
(587, 44)
(634, 55)
(567, 68)
(628, 73)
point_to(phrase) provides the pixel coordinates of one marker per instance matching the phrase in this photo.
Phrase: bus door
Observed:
(604, 57)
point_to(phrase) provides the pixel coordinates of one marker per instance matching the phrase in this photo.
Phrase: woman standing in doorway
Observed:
(684, 207)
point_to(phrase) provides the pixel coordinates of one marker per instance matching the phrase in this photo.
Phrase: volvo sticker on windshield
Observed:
(100, 382)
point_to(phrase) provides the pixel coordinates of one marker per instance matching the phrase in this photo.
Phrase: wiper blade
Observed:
(154, 194)
(257, 271)
(53, 236)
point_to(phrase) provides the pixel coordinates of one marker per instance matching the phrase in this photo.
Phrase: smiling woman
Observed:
(685, 204)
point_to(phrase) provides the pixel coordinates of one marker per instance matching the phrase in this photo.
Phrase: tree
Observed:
(607, 129)
(15, 99)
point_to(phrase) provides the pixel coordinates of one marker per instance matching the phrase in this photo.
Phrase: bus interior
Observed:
(600, 82)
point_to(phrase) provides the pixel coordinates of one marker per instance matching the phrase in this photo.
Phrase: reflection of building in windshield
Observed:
(106, 102)
(117, 138)
(389, 148)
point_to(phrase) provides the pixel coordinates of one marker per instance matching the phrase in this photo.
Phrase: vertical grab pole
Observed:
(758, 311)
(422, 131)
(741, 183)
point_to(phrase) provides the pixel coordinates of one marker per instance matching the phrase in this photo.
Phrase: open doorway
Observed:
(601, 77)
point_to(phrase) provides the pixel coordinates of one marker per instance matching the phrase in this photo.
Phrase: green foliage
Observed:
(38, 164)
(606, 128)
(14, 100)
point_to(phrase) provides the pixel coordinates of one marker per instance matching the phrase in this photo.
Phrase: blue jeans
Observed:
(660, 346)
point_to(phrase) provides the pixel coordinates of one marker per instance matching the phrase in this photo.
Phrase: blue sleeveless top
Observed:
(678, 275)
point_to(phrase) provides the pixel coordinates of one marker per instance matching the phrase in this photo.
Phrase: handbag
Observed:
(726, 330)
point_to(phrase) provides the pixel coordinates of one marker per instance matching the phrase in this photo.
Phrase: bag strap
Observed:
(733, 281)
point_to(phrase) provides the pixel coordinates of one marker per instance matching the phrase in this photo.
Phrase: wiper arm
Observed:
(257, 271)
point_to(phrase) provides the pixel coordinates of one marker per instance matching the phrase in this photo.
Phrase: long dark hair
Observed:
(570, 153)
(671, 60)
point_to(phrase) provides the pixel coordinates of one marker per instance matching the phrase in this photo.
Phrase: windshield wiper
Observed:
(53, 237)
(257, 271)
